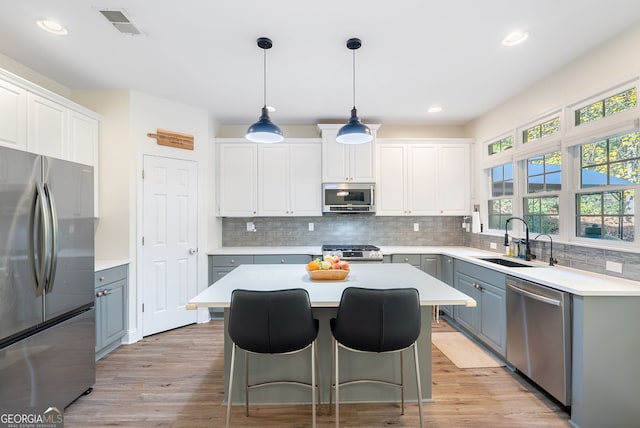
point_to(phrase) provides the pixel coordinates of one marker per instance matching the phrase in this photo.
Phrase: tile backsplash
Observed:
(574, 256)
(399, 231)
(342, 229)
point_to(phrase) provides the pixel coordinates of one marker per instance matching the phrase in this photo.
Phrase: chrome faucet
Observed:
(528, 255)
(552, 261)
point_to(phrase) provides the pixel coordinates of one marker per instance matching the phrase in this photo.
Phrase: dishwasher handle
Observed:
(535, 296)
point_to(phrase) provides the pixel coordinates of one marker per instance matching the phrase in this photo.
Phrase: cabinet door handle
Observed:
(99, 294)
(232, 261)
(281, 260)
(101, 279)
(105, 292)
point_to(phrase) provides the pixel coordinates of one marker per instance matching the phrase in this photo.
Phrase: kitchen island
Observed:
(325, 298)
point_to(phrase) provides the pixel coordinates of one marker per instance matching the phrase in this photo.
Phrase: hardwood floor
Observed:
(175, 379)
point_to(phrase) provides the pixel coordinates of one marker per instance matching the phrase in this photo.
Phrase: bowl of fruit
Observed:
(329, 268)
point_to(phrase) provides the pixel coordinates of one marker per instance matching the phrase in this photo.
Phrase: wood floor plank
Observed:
(175, 379)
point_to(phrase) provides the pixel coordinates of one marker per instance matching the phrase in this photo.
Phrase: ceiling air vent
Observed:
(119, 20)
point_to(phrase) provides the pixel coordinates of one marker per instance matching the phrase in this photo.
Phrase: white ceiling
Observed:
(415, 53)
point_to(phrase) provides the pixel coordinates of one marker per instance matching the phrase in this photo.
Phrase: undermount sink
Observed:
(504, 262)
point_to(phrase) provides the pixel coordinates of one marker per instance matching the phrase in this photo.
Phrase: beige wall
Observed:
(610, 64)
(33, 76)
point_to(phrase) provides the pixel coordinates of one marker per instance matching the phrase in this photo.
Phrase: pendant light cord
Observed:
(264, 74)
(354, 78)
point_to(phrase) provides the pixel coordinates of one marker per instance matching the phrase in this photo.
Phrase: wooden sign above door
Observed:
(173, 139)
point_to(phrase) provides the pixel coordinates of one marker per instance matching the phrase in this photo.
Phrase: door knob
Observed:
(192, 250)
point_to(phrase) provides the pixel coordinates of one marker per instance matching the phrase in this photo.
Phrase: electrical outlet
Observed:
(251, 227)
(613, 267)
(416, 227)
(493, 245)
(310, 227)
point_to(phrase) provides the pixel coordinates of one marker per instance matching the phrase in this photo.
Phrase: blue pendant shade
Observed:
(264, 131)
(354, 132)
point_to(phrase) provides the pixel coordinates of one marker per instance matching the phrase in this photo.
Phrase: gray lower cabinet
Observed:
(487, 321)
(412, 259)
(446, 276)
(430, 263)
(282, 259)
(111, 308)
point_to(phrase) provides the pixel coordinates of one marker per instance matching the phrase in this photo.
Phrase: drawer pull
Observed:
(281, 260)
(105, 292)
(99, 294)
(101, 279)
(232, 261)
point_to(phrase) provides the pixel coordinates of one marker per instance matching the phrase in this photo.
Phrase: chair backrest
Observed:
(271, 322)
(377, 320)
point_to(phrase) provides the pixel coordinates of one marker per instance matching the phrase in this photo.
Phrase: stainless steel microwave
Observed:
(348, 198)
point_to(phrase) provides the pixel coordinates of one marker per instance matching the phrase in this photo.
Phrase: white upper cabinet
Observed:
(423, 178)
(84, 133)
(13, 116)
(289, 179)
(47, 127)
(353, 163)
(238, 190)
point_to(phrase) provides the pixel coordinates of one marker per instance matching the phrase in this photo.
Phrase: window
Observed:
(612, 161)
(541, 130)
(500, 145)
(606, 215)
(501, 208)
(502, 180)
(544, 173)
(607, 107)
(542, 214)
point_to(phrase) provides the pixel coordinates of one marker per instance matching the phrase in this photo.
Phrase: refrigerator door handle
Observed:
(38, 239)
(53, 254)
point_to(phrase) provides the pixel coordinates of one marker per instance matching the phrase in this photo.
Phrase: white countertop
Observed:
(578, 282)
(101, 264)
(328, 293)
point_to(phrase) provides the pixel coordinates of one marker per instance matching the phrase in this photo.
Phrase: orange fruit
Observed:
(313, 265)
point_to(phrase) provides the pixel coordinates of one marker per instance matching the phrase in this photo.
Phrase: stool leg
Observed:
(246, 383)
(415, 356)
(331, 374)
(233, 358)
(313, 383)
(402, 380)
(318, 376)
(337, 379)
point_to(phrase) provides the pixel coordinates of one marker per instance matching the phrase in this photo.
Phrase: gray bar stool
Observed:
(380, 321)
(272, 322)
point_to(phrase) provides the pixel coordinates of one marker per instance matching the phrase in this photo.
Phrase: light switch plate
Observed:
(493, 245)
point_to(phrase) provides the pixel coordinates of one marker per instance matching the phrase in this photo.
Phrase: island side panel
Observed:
(606, 363)
(263, 367)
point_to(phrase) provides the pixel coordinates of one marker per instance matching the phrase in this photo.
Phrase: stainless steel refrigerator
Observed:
(47, 315)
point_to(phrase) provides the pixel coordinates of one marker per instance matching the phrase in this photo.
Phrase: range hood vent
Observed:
(120, 22)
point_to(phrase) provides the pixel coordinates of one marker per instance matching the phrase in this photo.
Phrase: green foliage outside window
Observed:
(544, 173)
(606, 107)
(542, 214)
(606, 215)
(612, 161)
(501, 145)
(543, 129)
(499, 211)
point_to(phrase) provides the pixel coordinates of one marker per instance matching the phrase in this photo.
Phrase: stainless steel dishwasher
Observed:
(539, 335)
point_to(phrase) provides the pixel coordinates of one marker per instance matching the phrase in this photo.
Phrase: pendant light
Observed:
(354, 132)
(264, 131)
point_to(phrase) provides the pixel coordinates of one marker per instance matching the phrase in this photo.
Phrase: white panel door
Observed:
(170, 230)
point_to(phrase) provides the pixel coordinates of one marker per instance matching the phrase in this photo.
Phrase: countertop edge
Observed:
(100, 264)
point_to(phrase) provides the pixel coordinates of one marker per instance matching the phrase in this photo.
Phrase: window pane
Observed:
(590, 204)
(554, 182)
(590, 113)
(551, 127)
(590, 227)
(593, 177)
(620, 102)
(625, 172)
(500, 145)
(594, 153)
(549, 224)
(553, 161)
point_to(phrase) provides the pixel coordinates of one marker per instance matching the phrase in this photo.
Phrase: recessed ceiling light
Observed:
(515, 38)
(434, 109)
(52, 26)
